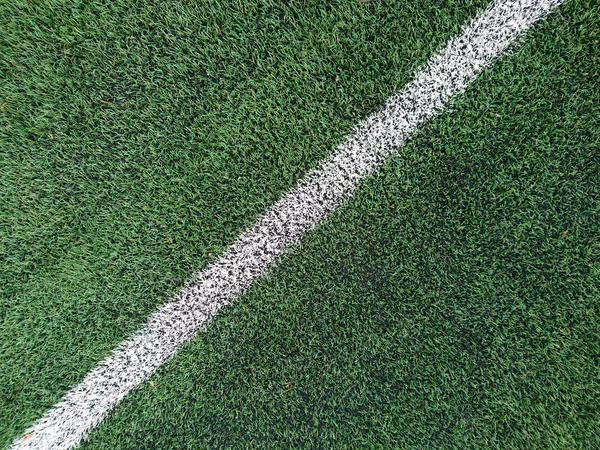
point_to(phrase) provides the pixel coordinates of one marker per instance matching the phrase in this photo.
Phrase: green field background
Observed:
(454, 301)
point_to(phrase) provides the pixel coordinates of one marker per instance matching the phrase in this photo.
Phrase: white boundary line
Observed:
(447, 74)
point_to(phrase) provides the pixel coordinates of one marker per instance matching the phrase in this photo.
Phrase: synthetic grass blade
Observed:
(447, 74)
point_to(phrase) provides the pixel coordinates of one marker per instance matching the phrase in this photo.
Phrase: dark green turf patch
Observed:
(137, 139)
(454, 302)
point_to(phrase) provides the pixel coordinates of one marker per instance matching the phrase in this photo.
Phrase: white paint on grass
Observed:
(447, 74)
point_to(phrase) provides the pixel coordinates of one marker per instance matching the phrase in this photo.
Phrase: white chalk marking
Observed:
(446, 74)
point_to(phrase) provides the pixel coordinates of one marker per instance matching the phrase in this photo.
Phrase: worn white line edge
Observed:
(446, 74)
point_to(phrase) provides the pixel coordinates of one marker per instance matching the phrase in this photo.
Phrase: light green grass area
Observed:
(455, 300)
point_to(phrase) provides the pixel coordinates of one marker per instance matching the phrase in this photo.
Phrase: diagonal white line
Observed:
(446, 74)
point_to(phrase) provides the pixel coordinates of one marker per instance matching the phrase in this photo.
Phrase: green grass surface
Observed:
(453, 301)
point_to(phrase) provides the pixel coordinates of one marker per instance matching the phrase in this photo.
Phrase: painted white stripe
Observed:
(447, 74)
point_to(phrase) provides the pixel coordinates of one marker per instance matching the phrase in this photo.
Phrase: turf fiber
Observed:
(453, 301)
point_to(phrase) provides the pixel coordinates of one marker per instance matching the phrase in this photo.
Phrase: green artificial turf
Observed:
(453, 301)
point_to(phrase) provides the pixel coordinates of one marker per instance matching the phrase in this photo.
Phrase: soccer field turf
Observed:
(452, 301)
